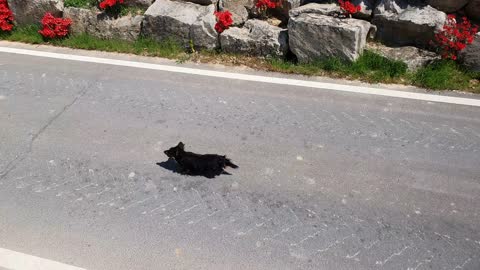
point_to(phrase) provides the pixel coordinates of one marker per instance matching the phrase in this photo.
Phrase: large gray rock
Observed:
(328, 9)
(256, 38)
(183, 21)
(240, 9)
(413, 57)
(473, 9)
(366, 12)
(448, 6)
(82, 19)
(101, 26)
(314, 36)
(406, 25)
(470, 56)
(316, 8)
(125, 28)
(32, 11)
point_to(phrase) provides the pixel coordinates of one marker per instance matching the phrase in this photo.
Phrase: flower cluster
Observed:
(109, 3)
(455, 37)
(348, 8)
(224, 20)
(6, 16)
(54, 27)
(266, 4)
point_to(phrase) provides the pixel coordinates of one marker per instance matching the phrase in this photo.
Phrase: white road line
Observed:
(253, 78)
(13, 260)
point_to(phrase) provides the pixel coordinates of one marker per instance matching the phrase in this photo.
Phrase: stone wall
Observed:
(310, 29)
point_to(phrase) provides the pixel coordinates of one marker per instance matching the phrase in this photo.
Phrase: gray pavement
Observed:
(327, 180)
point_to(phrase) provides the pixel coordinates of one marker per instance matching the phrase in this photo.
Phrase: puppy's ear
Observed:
(181, 145)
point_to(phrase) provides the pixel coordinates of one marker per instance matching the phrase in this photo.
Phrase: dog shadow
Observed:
(171, 165)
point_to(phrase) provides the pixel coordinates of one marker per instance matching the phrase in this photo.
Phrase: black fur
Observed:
(209, 165)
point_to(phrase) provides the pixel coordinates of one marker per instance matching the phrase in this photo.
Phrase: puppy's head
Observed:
(174, 152)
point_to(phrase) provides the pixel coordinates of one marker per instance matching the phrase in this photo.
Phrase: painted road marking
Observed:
(253, 78)
(13, 260)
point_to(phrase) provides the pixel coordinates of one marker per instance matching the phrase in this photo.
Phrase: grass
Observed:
(446, 75)
(143, 46)
(132, 11)
(80, 3)
(27, 34)
(370, 67)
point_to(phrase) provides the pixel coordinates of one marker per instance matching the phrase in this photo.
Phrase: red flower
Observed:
(348, 8)
(265, 4)
(54, 27)
(109, 3)
(6, 16)
(224, 20)
(47, 32)
(455, 37)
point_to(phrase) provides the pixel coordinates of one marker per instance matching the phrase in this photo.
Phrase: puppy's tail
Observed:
(229, 163)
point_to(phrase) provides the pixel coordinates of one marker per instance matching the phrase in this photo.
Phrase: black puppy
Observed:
(209, 165)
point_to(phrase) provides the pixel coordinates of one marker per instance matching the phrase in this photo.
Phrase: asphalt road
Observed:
(327, 180)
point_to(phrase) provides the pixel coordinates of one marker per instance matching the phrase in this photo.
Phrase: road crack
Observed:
(19, 158)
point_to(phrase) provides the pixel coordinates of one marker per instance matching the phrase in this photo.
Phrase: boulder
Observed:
(82, 19)
(257, 38)
(405, 25)
(473, 9)
(327, 10)
(101, 26)
(316, 8)
(315, 36)
(125, 28)
(413, 57)
(183, 21)
(448, 6)
(240, 9)
(470, 56)
(367, 7)
(32, 11)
